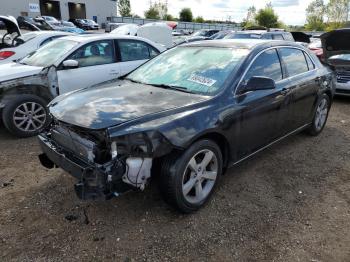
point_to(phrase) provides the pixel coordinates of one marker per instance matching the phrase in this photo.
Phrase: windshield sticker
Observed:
(202, 80)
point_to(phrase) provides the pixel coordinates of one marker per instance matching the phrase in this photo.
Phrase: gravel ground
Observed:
(290, 203)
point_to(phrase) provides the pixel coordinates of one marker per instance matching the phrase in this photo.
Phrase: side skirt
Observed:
(269, 145)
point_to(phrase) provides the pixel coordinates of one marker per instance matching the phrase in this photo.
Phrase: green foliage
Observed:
(124, 8)
(199, 19)
(152, 13)
(169, 17)
(314, 16)
(267, 17)
(186, 15)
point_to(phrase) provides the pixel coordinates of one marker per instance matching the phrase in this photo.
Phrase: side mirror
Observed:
(70, 64)
(259, 83)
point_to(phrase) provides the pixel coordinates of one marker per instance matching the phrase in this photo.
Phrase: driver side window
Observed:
(266, 65)
(95, 53)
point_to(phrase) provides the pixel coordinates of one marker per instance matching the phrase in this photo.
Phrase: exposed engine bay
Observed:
(103, 167)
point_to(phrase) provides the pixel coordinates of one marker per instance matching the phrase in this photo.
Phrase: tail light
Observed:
(6, 54)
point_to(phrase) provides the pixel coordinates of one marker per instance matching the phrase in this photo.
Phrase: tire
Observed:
(26, 115)
(321, 115)
(179, 170)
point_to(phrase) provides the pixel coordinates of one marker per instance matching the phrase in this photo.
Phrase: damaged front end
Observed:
(104, 166)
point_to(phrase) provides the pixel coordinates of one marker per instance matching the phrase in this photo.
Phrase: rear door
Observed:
(133, 53)
(301, 72)
(97, 63)
(263, 112)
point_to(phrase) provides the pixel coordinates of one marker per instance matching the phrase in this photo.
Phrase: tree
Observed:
(250, 20)
(124, 8)
(199, 19)
(315, 15)
(152, 13)
(186, 15)
(169, 17)
(267, 17)
(338, 12)
(157, 10)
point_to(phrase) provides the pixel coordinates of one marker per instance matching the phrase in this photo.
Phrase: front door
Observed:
(262, 112)
(97, 63)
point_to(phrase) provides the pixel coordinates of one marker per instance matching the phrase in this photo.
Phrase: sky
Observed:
(291, 12)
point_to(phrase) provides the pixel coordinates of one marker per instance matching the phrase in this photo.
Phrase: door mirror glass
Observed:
(70, 64)
(259, 83)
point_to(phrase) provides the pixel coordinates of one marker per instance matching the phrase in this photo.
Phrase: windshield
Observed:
(200, 33)
(201, 70)
(49, 53)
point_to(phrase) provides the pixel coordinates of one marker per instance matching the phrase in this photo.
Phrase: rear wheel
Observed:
(25, 115)
(189, 179)
(321, 115)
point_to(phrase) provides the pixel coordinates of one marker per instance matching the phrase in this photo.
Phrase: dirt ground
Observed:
(290, 203)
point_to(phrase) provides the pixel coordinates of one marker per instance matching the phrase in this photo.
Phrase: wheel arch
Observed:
(37, 90)
(221, 141)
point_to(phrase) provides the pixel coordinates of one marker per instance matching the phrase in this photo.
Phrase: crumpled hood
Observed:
(118, 102)
(336, 42)
(12, 71)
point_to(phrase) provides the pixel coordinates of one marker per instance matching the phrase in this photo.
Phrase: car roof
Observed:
(239, 43)
(82, 39)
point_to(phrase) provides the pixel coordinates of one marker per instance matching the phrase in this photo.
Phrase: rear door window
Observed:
(294, 60)
(266, 65)
(278, 37)
(310, 64)
(133, 50)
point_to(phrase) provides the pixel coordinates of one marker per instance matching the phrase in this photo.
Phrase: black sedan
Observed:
(185, 116)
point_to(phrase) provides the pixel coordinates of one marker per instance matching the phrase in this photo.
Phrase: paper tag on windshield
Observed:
(202, 80)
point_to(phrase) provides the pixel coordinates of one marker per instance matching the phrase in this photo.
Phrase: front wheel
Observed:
(321, 115)
(189, 179)
(25, 116)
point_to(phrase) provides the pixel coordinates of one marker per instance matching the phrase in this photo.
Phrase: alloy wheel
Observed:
(321, 114)
(29, 117)
(200, 176)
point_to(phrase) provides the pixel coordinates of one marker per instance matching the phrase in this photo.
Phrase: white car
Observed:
(28, 43)
(64, 65)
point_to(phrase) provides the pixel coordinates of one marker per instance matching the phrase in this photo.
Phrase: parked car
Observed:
(336, 50)
(80, 23)
(12, 31)
(28, 43)
(51, 20)
(110, 26)
(187, 115)
(67, 26)
(126, 29)
(221, 34)
(261, 34)
(203, 34)
(316, 48)
(64, 65)
(92, 24)
(33, 24)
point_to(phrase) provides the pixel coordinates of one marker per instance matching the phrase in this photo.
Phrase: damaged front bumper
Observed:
(95, 180)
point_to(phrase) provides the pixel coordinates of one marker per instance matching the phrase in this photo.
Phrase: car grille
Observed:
(343, 77)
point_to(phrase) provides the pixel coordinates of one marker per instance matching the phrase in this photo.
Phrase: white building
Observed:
(98, 10)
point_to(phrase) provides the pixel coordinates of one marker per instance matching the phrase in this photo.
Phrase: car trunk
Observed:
(10, 32)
